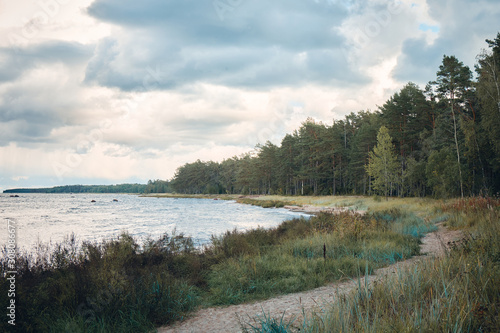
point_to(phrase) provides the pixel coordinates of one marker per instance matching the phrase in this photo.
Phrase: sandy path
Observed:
(229, 319)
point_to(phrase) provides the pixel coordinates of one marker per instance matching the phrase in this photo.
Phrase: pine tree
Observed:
(453, 82)
(406, 115)
(383, 163)
(488, 91)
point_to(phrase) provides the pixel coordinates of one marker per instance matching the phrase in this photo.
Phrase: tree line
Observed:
(120, 188)
(443, 140)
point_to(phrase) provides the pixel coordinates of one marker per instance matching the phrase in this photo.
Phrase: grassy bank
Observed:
(456, 293)
(120, 285)
(360, 203)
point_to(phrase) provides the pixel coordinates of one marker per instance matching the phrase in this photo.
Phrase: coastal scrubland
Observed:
(121, 285)
(455, 293)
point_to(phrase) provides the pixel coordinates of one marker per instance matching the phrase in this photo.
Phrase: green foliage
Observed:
(452, 85)
(406, 115)
(158, 186)
(383, 165)
(104, 287)
(441, 171)
(488, 93)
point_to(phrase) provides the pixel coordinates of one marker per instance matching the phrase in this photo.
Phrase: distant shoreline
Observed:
(116, 189)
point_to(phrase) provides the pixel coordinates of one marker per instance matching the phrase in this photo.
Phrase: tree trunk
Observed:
(456, 145)
(370, 185)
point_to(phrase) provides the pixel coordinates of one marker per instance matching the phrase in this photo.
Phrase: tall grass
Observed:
(456, 293)
(305, 254)
(105, 287)
(263, 203)
(268, 324)
(120, 285)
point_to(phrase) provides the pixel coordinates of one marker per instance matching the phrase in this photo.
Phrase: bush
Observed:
(119, 285)
(103, 287)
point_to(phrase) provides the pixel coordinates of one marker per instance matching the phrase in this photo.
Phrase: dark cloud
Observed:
(294, 23)
(253, 44)
(18, 60)
(29, 108)
(463, 26)
(24, 123)
(23, 131)
(419, 61)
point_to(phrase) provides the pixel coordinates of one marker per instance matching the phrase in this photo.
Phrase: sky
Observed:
(119, 91)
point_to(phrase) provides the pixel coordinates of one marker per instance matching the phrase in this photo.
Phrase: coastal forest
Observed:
(442, 140)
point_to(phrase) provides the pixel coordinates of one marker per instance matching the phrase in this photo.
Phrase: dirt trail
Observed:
(229, 319)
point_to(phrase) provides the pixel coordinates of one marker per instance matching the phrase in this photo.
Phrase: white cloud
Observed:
(123, 90)
(24, 22)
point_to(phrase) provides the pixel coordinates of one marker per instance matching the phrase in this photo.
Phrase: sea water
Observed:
(50, 218)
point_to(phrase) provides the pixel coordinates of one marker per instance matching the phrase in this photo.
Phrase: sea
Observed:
(51, 218)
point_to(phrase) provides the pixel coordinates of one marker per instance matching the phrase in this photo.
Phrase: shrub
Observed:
(119, 285)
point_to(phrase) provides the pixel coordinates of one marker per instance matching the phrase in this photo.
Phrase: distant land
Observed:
(120, 188)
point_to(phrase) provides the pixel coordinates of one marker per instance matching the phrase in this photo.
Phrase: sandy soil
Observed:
(293, 306)
(309, 209)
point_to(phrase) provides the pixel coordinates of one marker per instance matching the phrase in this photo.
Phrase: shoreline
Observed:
(308, 209)
(273, 201)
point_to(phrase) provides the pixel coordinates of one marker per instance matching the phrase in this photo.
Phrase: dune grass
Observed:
(362, 203)
(304, 254)
(456, 293)
(120, 285)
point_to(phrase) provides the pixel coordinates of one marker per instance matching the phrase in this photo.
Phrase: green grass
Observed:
(304, 254)
(120, 285)
(249, 278)
(263, 203)
(268, 324)
(457, 293)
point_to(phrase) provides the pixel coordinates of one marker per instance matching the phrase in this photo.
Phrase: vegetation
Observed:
(262, 202)
(121, 188)
(157, 186)
(120, 285)
(382, 163)
(445, 138)
(457, 293)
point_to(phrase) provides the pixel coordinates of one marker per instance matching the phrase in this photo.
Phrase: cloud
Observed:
(256, 44)
(463, 27)
(18, 60)
(125, 90)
